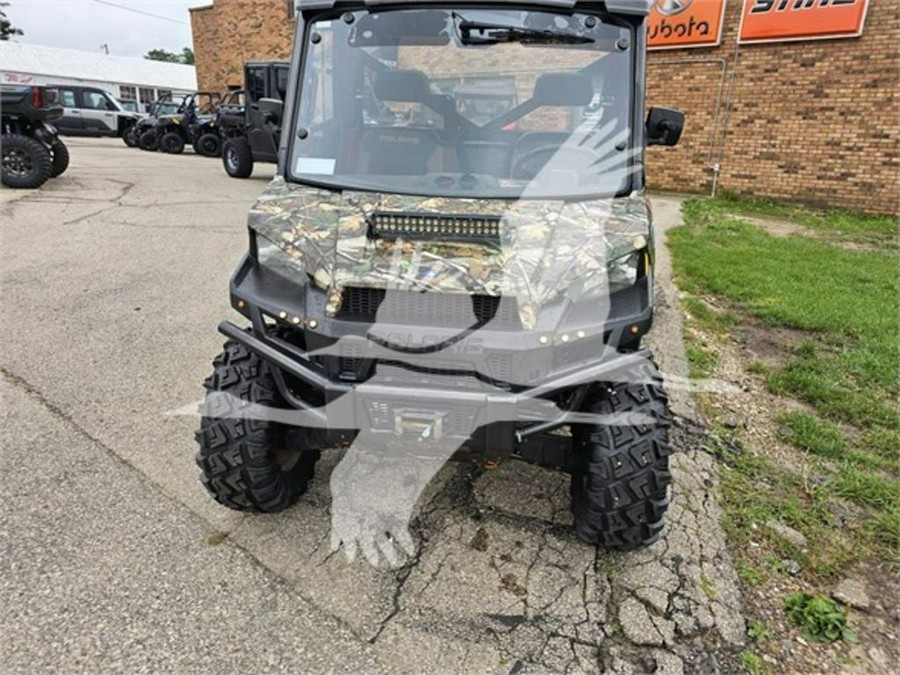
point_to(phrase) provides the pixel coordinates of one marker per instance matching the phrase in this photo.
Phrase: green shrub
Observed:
(820, 618)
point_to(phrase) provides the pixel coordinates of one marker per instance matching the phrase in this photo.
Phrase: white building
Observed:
(124, 77)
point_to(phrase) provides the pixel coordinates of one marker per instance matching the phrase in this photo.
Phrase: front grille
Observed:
(429, 226)
(445, 373)
(430, 309)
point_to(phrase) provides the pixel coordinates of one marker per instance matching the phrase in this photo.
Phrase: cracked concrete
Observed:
(112, 322)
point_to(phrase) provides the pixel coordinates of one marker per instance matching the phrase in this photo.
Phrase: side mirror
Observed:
(271, 109)
(664, 126)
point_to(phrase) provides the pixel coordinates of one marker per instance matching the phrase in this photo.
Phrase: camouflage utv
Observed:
(431, 277)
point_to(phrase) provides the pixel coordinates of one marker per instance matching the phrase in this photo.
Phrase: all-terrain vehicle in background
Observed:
(167, 105)
(194, 124)
(424, 273)
(32, 150)
(251, 133)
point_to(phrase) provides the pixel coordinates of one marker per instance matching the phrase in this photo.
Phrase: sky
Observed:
(88, 24)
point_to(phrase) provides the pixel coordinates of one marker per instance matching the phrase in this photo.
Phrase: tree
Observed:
(7, 30)
(186, 56)
(162, 55)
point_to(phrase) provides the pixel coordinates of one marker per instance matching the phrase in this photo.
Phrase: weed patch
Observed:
(819, 617)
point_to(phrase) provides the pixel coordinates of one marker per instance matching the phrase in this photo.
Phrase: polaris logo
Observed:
(762, 6)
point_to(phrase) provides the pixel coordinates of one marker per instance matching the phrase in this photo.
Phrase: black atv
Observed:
(249, 133)
(32, 150)
(194, 124)
(429, 279)
(162, 107)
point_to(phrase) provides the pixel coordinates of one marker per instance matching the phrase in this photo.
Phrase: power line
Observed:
(139, 11)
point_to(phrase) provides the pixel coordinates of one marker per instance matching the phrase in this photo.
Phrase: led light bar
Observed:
(392, 226)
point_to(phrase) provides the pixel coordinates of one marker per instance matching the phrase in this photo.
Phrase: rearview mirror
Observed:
(664, 126)
(402, 86)
(271, 109)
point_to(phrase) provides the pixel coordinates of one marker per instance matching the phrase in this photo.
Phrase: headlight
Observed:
(625, 255)
(623, 271)
(275, 259)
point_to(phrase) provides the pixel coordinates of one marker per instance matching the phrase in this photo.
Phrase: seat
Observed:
(398, 150)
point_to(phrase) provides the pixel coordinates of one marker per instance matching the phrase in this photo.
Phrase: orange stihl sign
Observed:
(783, 20)
(686, 23)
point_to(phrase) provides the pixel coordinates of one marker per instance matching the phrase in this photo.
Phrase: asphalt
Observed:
(113, 278)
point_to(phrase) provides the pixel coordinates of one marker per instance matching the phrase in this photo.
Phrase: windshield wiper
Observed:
(493, 33)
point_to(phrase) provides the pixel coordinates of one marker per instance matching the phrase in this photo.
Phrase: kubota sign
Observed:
(783, 20)
(686, 23)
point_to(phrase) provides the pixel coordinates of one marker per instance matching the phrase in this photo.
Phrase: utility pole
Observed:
(105, 48)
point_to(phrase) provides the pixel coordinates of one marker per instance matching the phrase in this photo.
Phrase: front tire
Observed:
(60, 161)
(621, 477)
(26, 163)
(237, 158)
(130, 136)
(149, 141)
(172, 143)
(209, 145)
(245, 463)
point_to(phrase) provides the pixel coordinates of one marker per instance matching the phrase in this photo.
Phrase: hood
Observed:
(543, 249)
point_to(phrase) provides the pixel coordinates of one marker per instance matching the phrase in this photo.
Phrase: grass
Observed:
(752, 664)
(847, 372)
(758, 632)
(700, 360)
(835, 226)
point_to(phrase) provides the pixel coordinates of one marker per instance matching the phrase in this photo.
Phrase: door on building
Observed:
(71, 122)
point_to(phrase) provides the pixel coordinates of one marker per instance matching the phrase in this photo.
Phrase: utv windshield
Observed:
(486, 103)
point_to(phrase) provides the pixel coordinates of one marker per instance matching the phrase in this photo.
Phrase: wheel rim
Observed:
(17, 162)
(231, 158)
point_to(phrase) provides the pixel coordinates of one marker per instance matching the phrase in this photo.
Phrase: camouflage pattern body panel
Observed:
(547, 248)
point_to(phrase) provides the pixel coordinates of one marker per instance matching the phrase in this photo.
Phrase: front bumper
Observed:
(487, 418)
(457, 392)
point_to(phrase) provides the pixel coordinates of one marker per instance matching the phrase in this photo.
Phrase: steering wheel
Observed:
(529, 165)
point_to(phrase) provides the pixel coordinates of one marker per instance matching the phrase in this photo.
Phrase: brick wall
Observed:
(814, 122)
(229, 33)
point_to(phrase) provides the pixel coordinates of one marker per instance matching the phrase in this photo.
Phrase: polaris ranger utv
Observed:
(249, 135)
(32, 150)
(418, 279)
(194, 124)
(137, 134)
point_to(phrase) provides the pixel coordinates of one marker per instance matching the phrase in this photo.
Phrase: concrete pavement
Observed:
(114, 277)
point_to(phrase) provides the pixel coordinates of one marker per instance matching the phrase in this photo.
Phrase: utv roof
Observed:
(641, 7)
